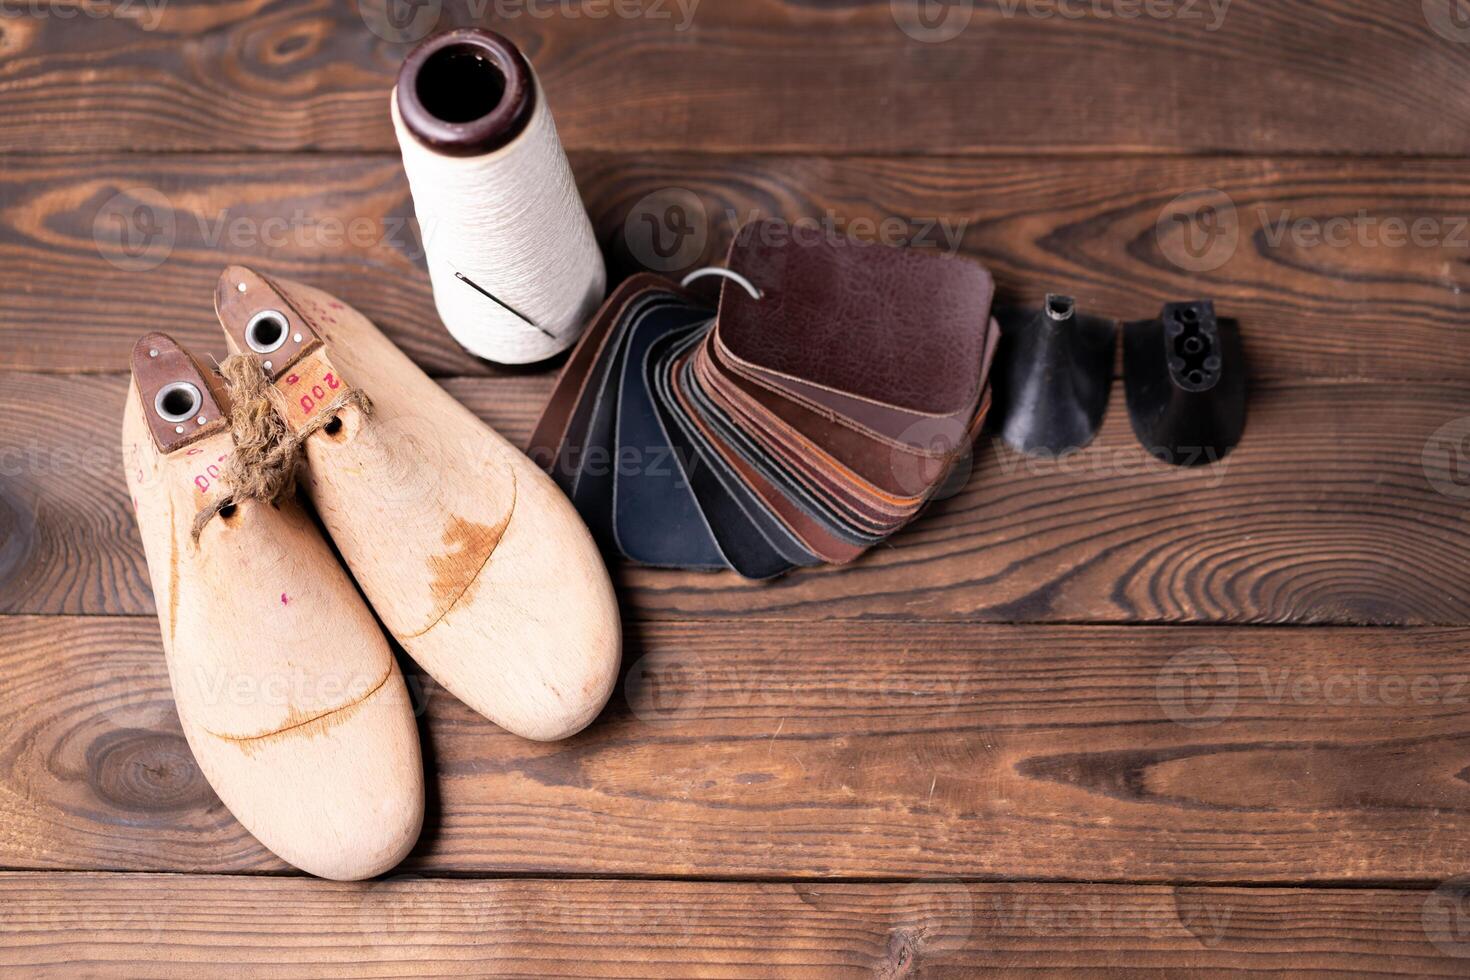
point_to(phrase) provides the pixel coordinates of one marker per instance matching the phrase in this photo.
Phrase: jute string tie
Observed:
(263, 465)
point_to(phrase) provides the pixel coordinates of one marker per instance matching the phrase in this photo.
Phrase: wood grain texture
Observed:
(822, 742)
(1325, 514)
(783, 75)
(1339, 268)
(808, 751)
(127, 925)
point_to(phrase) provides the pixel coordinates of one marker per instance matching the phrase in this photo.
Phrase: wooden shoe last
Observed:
(288, 694)
(472, 557)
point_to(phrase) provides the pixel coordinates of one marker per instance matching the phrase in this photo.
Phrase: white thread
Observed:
(735, 277)
(512, 223)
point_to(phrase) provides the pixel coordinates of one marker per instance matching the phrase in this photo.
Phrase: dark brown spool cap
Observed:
(466, 92)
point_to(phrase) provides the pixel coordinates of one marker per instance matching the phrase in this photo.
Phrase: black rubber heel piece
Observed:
(1052, 375)
(1185, 374)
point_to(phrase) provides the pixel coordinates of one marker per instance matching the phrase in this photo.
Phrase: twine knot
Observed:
(263, 465)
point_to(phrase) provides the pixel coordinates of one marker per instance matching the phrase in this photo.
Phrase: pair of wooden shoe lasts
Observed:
(473, 560)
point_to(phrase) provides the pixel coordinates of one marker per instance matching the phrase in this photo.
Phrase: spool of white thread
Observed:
(514, 264)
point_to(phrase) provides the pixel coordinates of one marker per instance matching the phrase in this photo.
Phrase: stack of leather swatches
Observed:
(795, 429)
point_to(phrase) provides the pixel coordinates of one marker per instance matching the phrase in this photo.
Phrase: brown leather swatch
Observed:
(857, 327)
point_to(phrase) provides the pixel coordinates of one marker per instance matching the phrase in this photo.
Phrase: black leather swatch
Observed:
(656, 518)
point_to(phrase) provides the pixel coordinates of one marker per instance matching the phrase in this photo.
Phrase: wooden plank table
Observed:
(1088, 715)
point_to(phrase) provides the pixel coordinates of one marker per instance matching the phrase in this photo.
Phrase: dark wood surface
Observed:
(407, 926)
(831, 76)
(1086, 716)
(1086, 226)
(800, 750)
